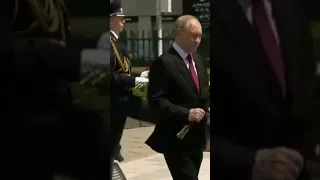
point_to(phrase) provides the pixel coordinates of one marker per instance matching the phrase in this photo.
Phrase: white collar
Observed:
(115, 35)
(180, 51)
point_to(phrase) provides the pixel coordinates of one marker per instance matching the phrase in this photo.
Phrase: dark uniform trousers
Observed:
(183, 165)
(122, 106)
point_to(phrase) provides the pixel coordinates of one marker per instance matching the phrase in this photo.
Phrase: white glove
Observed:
(141, 80)
(144, 74)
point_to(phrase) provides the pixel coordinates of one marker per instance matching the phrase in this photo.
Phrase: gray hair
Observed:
(183, 21)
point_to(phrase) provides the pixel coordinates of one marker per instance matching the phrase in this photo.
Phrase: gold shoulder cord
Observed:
(125, 64)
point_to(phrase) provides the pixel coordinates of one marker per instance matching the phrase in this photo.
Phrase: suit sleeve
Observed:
(120, 80)
(157, 93)
(229, 157)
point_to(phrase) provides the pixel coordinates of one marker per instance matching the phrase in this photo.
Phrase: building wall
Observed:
(142, 13)
(148, 7)
(144, 10)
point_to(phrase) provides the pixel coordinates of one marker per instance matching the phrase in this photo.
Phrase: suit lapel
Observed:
(232, 17)
(179, 62)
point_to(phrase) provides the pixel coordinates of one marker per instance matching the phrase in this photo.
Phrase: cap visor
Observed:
(117, 14)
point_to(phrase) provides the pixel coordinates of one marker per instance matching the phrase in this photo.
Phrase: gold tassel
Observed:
(125, 65)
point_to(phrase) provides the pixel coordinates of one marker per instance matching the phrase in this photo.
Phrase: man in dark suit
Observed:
(178, 92)
(262, 81)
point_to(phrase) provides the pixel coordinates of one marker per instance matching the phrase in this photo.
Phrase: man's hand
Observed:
(277, 164)
(196, 114)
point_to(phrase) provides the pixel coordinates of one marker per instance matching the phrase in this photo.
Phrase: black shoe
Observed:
(119, 157)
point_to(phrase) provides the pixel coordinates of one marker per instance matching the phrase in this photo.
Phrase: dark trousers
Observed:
(184, 165)
(117, 126)
(133, 107)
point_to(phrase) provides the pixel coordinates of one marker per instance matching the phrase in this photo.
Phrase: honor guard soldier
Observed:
(123, 101)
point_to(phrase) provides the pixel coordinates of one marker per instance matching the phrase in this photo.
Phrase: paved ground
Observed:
(142, 163)
(133, 146)
(154, 168)
(134, 123)
(137, 155)
(132, 142)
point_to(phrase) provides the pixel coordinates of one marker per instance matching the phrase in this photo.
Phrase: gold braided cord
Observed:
(125, 65)
(49, 17)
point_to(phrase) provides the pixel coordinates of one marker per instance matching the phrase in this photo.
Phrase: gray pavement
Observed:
(134, 123)
(154, 167)
(142, 163)
(133, 146)
(134, 136)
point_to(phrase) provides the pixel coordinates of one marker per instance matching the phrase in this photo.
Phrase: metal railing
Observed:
(143, 46)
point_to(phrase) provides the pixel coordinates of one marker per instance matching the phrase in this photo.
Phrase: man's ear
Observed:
(178, 31)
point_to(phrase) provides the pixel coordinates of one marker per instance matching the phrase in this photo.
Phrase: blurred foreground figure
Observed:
(43, 132)
(262, 83)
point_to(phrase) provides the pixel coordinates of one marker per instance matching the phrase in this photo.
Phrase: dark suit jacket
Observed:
(172, 92)
(249, 112)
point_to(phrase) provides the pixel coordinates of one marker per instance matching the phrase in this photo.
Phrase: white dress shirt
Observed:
(115, 35)
(184, 55)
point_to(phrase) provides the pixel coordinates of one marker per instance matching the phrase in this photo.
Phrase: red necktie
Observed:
(268, 39)
(193, 71)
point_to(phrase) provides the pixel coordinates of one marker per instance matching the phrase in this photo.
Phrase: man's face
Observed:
(117, 23)
(191, 35)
